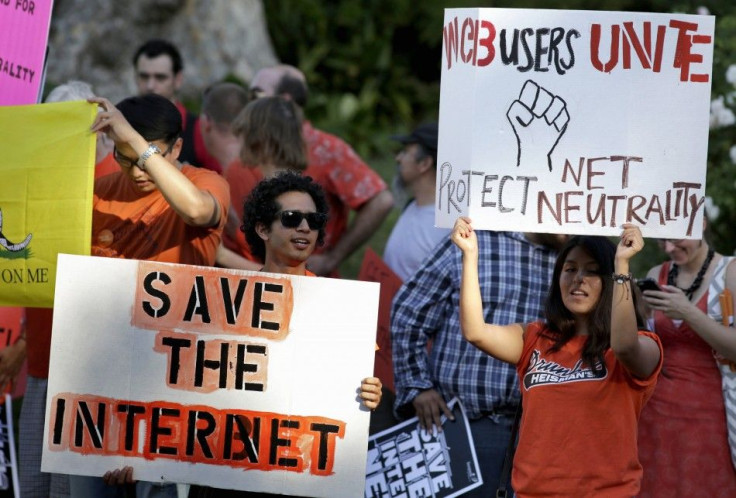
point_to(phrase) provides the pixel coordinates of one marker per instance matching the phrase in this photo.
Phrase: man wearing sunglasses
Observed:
(284, 220)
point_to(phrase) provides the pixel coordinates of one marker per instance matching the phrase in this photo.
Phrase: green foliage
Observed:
(721, 167)
(372, 66)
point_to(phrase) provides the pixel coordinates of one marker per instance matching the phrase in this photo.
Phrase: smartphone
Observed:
(646, 284)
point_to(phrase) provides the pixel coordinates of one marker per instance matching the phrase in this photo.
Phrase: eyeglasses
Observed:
(126, 162)
(292, 219)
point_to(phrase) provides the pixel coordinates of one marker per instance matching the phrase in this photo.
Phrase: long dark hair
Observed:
(561, 323)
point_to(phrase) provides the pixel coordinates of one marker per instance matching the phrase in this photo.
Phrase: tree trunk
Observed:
(94, 41)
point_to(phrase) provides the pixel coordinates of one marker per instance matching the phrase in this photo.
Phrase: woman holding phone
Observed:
(683, 442)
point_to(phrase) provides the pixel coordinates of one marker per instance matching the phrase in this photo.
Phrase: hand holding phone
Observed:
(646, 284)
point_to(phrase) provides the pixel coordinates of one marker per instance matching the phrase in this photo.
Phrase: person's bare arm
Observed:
(230, 259)
(675, 305)
(639, 354)
(503, 342)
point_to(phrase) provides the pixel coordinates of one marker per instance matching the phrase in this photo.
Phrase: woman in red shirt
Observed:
(585, 372)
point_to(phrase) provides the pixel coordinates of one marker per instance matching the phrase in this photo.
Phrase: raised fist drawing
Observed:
(5, 243)
(537, 137)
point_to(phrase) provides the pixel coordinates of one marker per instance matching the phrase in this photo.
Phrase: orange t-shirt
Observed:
(131, 225)
(578, 430)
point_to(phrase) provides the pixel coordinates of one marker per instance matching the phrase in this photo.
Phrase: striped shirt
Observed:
(514, 277)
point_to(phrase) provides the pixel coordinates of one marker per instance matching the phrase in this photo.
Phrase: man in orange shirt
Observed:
(155, 208)
(284, 221)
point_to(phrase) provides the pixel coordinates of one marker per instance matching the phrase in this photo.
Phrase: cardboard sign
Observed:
(406, 460)
(251, 376)
(24, 33)
(373, 269)
(46, 178)
(574, 121)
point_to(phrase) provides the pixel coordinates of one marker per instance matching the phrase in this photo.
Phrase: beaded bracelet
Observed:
(621, 278)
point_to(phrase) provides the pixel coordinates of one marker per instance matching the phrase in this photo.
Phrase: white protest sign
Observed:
(574, 121)
(241, 380)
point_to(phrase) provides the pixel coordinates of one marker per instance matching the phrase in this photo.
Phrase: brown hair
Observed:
(271, 129)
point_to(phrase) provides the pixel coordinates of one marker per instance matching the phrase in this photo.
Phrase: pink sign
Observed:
(24, 32)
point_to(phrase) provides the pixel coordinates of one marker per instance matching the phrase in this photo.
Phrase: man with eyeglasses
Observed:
(159, 69)
(155, 208)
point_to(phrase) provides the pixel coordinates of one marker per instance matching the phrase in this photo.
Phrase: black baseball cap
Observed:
(424, 134)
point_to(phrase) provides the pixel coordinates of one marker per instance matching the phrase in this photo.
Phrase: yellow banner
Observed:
(46, 178)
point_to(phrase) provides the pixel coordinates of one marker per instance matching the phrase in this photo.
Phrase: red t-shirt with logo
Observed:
(578, 429)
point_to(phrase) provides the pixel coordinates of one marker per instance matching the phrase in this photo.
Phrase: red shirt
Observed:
(107, 166)
(578, 431)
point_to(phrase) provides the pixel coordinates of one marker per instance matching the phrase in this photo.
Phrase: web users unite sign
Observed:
(574, 122)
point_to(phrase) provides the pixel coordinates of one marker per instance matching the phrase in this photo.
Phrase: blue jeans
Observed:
(95, 487)
(491, 437)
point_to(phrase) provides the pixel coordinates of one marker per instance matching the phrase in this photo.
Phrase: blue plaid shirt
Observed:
(514, 278)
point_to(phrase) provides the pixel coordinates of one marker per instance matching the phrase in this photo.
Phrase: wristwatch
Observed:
(151, 150)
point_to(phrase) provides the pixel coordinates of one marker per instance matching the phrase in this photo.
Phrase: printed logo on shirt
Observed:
(542, 372)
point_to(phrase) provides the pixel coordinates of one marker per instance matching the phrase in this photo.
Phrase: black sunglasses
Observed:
(292, 219)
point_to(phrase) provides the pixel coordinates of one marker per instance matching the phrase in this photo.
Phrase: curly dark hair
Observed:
(261, 206)
(561, 323)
